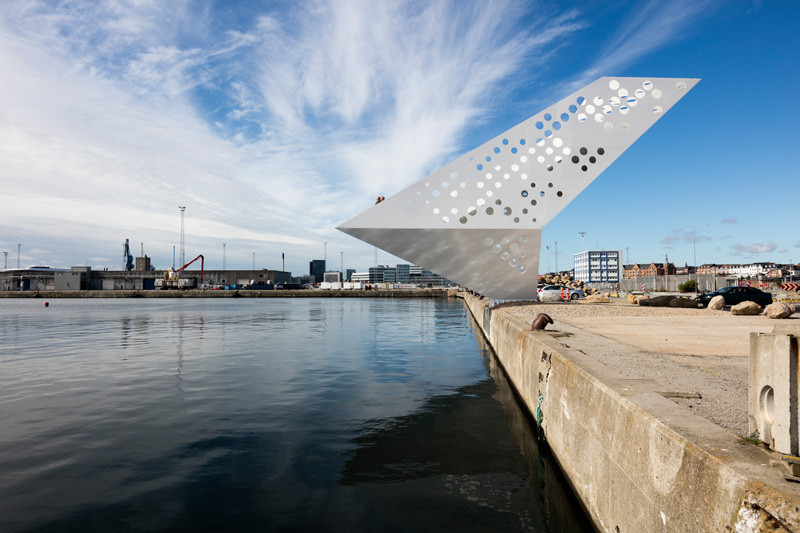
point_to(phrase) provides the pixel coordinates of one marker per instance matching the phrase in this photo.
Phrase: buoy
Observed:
(47, 304)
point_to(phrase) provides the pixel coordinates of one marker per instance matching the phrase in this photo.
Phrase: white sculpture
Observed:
(478, 220)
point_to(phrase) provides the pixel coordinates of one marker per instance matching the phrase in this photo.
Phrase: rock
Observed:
(746, 308)
(656, 301)
(680, 301)
(550, 296)
(717, 303)
(779, 310)
(597, 299)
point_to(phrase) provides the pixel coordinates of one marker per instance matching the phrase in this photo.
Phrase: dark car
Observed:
(737, 295)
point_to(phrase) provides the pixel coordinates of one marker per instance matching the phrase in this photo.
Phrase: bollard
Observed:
(773, 389)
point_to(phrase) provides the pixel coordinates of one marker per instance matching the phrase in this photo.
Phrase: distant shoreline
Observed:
(239, 293)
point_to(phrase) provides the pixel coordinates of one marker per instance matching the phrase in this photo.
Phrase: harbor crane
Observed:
(127, 256)
(172, 277)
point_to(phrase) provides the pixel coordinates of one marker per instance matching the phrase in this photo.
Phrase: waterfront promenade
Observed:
(238, 293)
(645, 410)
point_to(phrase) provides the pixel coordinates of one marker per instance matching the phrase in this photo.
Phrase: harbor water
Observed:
(352, 414)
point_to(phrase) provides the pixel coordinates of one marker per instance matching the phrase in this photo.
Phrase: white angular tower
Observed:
(478, 220)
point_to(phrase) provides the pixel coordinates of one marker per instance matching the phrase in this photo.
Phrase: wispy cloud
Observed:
(755, 248)
(729, 221)
(679, 235)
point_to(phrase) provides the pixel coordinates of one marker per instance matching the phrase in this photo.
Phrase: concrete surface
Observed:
(613, 408)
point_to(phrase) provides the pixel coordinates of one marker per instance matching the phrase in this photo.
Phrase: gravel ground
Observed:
(720, 380)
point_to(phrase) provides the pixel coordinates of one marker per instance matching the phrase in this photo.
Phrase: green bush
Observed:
(688, 286)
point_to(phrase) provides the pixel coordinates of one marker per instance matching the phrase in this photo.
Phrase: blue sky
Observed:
(275, 121)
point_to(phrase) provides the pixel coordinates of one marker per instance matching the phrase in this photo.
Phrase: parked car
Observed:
(574, 294)
(737, 295)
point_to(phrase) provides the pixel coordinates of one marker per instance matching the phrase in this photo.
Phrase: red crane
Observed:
(202, 266)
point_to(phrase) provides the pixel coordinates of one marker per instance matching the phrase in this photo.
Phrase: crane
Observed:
(172, 276)
(127, 256)
(202, 266)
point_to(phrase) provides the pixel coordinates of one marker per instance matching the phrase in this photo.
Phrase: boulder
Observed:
(779, 310)
(746, 308)
(717, 303)
(680, 301)
(550, 296)
(656, 301)
(597, 299)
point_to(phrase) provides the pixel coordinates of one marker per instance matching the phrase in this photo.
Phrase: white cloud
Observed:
(755, 248)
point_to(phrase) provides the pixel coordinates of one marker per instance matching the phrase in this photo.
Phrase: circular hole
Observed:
(599, 117)
(523, 159)
(647, 85)
(582, 117)
(533, 202)
(524, 210)
(613, 85)
(446, 219)
(516, 219)
(600, 151)
(589, 109)
(548, 117)
(624, 109)
(625, 126)
(524, 194)
(479, 185)
(548, 151)
(514, 150)
(592, 159)
(436, 193)
(506, 240)
(480, 167)
(607, 109)
(638, 93)
(632, 102)
(681, 86)
(623, 92)
(522, 142)
(656, 93)
(488, 158)
(481, 202)
(445, 184)
(497, 248)
(515, 167)
(522, 254)
(766, 401)
(496, 150)
(534, 220)
(471, 211)
(556, 125)
(557, 142)
(558, 159)
(489, 175)
(523, 239)
(584, 168)
(541, 193)
(453, 175)
(463, 220)
(533, 185)
(539, 125)
(608, 126)
(513, 262)
(559, 193)
(581, 100)
(453, 193)
(513, 247)
(614, 101)
(521, 269)
(504, 256)
(549, 168)
(505, 141)
(657, 110)
(497, 184)
(567, 150)
(550, 185)
(598, 101)
(564, 117)
(490, 211)
(576, 159)
(584, 151)
(489, 194)
(548, 134)
(454, 211)
(488, 241)
(498, 202)
(507, 211)
(573, 108)
(497, 167)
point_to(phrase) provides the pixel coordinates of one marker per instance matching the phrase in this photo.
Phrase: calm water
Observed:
(237, 415)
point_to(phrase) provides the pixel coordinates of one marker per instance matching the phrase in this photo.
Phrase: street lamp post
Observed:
(224, 244)
(254, 260)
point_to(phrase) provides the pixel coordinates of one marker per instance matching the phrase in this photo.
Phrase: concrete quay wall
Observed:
(240, 293)
(636, 460)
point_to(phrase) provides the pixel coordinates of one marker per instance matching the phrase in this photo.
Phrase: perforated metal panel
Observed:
(478, 219)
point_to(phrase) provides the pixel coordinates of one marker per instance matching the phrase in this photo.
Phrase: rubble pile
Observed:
(555, 279)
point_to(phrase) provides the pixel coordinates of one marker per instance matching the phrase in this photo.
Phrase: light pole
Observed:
(548, 258)
(582, 234)
(19, 250)
(183, 247)
(556, 242)
(6, 257)
(341, 264)
(254, 260)
(696, 279)
(224, 244)
(325, 253)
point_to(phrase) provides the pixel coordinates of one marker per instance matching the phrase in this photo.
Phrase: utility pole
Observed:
(341, 264)
(19, 250)
(556, 256)
(283, 262)
(224, 244)
(696, 279)
(325, 254)
(183, 246)
(548, 259)
(254, 260)
(6, 256)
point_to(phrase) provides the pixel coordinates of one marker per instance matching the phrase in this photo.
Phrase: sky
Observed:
(274, 122)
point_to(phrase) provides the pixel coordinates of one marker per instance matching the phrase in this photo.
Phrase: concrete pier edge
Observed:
(637, 461)
(238, 293)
